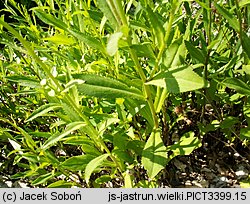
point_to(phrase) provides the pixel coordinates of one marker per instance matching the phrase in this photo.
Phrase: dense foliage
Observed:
(110, 91)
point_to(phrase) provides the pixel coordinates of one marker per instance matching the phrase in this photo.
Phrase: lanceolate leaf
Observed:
(178, 80)
(58, 136)
(51, 20)
(77, 163)
(43, 110)
(157, 27)
(93, 165)
(25, 81)
(60, 40)
(104, 87)
(171, 55)
(195, 52)
(111, 15)
(28, 138)
(154, 154)
(42, 179)
(61, 184)
(238, 85)
(88, 40)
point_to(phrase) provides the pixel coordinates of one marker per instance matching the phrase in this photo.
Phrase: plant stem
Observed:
(166, 37)
(162, 93)
(145, 87)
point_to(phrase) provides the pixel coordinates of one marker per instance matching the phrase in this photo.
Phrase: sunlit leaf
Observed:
(60, 39)
(93, 164)
(154, 154)
(24, 81)
(61, 184)
(112, 45)
(178, 80)
(157, 27)
(58, 136)
(187, 144)
(42, 179)
(238, 85)
(49, 19)
(104, 87)
(43, 110)
(77, 163)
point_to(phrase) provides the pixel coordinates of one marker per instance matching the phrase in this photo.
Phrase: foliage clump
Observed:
(109, 93)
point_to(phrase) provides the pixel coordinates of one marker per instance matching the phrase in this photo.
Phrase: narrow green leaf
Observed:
(139, 25)
(58, 136)
(144, 50)
(232, 20)
(60, 39)
(77, 163)
(15, 145)
(93, 164)
(154, 154)
(42, 179)
(135, 106)
(25, 81)
(5, 135)
(61, 184)
(238, 85)
(112, 45)
(50, 20)
(104, 87)
(170, 57)
(178, 80)
(43, 110)
(110, 13)
(157, 27)
(76, 140)
(128, 180)
(195, 52)
(28, 139)
(70, 112)
(88, 40)
(105, 123)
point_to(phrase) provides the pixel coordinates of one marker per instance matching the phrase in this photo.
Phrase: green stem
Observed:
(166, 37)
(117, 10)
(145, 87)
(162, 93)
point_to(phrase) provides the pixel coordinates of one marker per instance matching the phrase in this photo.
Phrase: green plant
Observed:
(97, 75)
